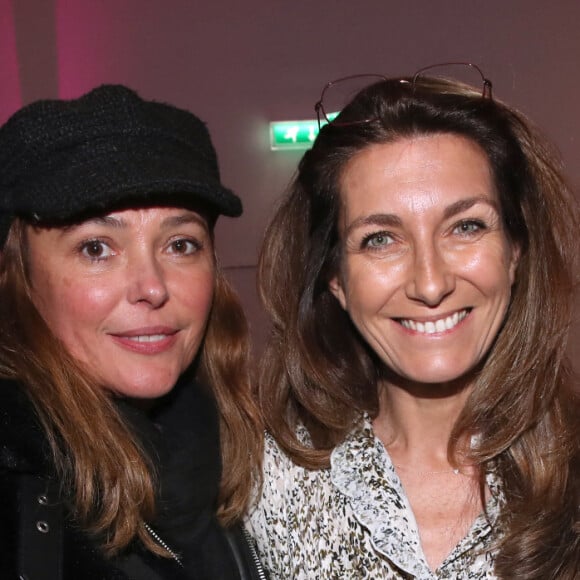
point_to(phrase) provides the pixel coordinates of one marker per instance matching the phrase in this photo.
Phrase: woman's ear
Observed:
(335, 286)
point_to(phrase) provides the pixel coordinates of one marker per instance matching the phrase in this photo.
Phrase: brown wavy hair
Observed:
(318, 371)
(95, 452)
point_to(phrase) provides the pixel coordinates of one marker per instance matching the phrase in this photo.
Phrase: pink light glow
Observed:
(78, 25)
(10, 97)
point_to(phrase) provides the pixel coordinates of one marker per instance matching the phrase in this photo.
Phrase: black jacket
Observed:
(39, 538)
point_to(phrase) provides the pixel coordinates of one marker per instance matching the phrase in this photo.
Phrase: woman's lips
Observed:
(436, 326)
(147, 340)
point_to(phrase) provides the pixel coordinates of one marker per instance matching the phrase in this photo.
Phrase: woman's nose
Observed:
(430, 278)
(146, 282)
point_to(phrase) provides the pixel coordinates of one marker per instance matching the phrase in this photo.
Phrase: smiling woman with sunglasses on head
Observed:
(127, 429)
(419, 274)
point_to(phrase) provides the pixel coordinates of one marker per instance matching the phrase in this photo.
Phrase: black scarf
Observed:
(181, 434)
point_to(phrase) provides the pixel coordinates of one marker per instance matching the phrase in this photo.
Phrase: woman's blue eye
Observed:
(377, 240)
(469, 227)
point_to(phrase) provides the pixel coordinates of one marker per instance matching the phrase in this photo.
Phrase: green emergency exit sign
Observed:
(293, 134)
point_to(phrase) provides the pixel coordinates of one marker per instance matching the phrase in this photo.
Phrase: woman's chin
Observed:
(145, 386)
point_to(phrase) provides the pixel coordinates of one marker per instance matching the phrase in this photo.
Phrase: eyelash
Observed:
(366, 241)
(193, 242)
(476, 227)
(86, 244)
(479, 226)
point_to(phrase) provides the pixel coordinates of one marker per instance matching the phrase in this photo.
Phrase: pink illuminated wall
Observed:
(88, 47)
(9, 77)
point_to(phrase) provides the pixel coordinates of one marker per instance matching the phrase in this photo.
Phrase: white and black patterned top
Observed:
(353, 520)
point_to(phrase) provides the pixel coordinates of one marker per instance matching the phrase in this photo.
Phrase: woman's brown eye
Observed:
(184, 246)
(94, 249)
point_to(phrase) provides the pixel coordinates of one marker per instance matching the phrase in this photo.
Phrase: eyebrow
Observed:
(391, 220)
(376, 219)
(464, 204)
(186, 218)
(101, 220)
(119, 223)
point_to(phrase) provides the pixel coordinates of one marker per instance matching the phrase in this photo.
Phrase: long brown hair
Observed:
(95, 452)
(318, 371)
(225, 364)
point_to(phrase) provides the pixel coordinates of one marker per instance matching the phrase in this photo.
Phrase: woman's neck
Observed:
(415, 421)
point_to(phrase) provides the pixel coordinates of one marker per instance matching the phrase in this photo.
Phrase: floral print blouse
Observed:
(353, 520)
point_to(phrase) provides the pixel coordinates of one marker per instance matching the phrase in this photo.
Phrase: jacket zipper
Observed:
(254, 553)
(248, 537)
(163, 544)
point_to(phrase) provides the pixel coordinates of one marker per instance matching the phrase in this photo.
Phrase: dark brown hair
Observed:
(318, 371)
(96, 454)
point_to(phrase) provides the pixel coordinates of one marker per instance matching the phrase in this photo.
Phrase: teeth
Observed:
(440, 325)
(147, 338)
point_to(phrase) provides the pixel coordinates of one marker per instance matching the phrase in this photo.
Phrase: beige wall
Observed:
(240, 64)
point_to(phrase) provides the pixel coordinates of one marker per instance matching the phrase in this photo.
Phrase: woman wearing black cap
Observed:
(111, 307)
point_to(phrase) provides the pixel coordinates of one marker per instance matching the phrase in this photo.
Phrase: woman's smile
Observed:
(437, 325)
(147, 341)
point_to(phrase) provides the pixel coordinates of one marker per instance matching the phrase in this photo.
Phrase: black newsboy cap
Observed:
(60, 159)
